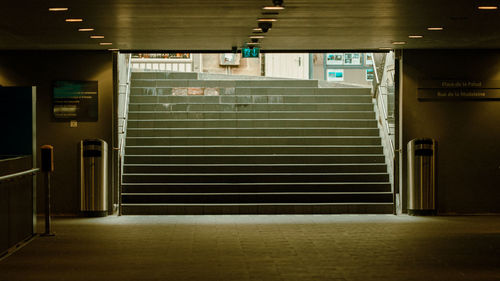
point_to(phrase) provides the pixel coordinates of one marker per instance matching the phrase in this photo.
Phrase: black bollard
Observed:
(47, 155)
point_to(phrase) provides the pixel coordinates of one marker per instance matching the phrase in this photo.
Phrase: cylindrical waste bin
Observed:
(94, 177)
(422, 177)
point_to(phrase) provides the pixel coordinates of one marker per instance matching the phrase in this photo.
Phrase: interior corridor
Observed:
(264, 247)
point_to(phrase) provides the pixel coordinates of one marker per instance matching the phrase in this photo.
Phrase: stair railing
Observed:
(123, 100)
(383, 91)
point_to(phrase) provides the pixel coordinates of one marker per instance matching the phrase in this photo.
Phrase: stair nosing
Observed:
(258, 183)
(255, 193)
(257, 204)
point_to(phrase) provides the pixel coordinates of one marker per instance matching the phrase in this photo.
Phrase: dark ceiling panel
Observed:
(219, 25)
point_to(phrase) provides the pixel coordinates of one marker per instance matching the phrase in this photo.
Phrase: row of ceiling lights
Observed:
(269, 15)
(86, 29)
(437, 28)
(264, 24)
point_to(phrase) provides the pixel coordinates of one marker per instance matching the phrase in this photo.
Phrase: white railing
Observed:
(123, 105)
(383, 92)
(176, 65)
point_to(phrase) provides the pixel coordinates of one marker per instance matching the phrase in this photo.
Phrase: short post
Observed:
(47, 154)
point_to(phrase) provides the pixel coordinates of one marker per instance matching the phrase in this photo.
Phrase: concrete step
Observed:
(164, 75)
(255, 159)
(258, 99)
(245, 91)
(263, 132)
(251, 149)
(252, 107)
(256, 140)
(138, 115)
(255, 178)
(191, 83)
(249, 198)
(255, 168)
(251, 123)
(256, 187)
(269, 208)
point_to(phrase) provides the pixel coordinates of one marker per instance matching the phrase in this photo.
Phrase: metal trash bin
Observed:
(422, 177)
(94, 177)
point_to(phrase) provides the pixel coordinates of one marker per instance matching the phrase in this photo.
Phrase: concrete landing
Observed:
(265, 247)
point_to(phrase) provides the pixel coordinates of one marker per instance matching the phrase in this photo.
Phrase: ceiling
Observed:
(202, 25)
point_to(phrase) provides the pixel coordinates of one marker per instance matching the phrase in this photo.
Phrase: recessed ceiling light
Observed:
(385, 48)
(398, 43)
(488, 7)
(435, 28)
(415, 36)
(273, 8)
(97, 36)
(58, 9)
(105, 43)
(74, 20)
(257, 29)
(253, 43)
(267, 19)
(85, 29)
(256, 36)
(114, 49)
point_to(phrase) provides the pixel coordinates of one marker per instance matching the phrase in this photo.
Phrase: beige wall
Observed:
(248, 66)
(40, 69)
(468, 132)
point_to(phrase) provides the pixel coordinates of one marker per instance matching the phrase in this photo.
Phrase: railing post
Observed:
(47, 155)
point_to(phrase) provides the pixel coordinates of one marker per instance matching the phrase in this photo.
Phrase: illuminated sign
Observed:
(250, 53)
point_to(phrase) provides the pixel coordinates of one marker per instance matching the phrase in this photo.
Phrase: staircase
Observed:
(251, 147)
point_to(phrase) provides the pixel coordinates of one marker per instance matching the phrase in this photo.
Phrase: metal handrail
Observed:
(123, 131)
(377, 95)
(19, 174)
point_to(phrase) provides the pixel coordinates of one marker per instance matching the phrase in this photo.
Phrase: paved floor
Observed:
(291, 247)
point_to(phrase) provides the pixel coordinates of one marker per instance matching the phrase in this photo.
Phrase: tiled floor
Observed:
(274, 247)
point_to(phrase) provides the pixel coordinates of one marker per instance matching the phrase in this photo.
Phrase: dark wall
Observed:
(40, 69)
(468, 132)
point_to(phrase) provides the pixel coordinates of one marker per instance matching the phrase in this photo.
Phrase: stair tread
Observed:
(253, 193)
(251, 165)
(246, 145)
(248, 119)
(259, 183)
(258, 128)
(257, 204)
(237, 174)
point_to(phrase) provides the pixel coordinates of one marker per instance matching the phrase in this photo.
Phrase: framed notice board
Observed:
(75, 100)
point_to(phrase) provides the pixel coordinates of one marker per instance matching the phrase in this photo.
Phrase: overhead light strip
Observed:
(58, 9)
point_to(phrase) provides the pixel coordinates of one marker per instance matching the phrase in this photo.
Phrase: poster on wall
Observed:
(369, 59)
(370, 74)
(352, 58)
(335, 75)
(334, 59)
(75, 100)
(229, 59)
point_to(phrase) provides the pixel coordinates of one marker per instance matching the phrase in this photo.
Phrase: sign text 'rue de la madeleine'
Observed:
(459, 90)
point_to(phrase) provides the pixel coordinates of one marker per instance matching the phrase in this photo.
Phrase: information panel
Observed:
(75, 100)
(459, 90)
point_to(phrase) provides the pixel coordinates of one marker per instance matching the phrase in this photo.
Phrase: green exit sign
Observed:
(250, 53)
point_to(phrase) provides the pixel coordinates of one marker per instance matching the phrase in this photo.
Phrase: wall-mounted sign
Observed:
(370, 74)
(229, 59)
(75, 100)
(250, 52)
(335, 75)
(369, 59)
(459, 90)
(352, 59)
(335, 59)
